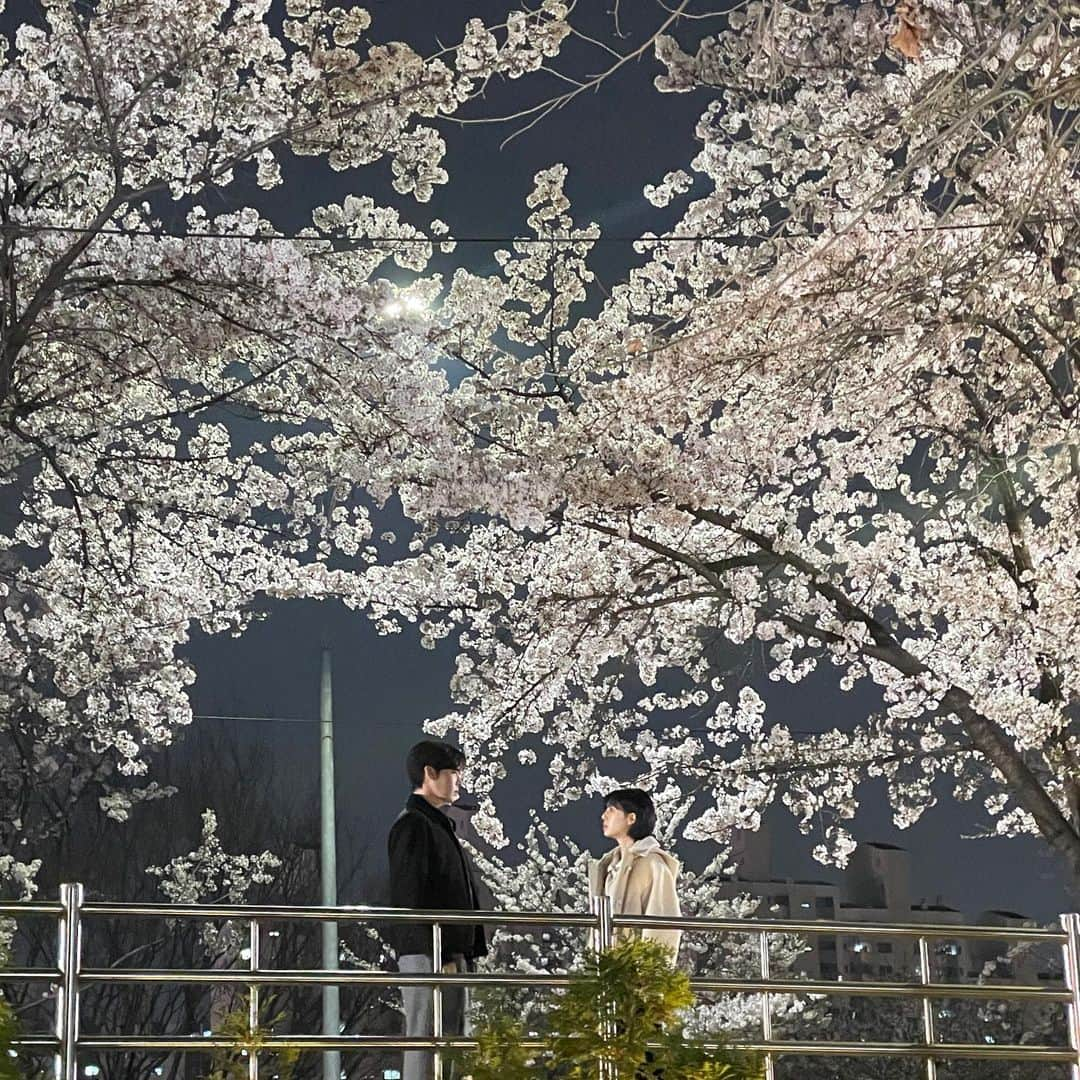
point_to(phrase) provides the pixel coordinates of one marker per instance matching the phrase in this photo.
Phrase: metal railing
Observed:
(69, 978)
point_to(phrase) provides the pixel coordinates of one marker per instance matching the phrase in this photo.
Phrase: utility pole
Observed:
(328, 862)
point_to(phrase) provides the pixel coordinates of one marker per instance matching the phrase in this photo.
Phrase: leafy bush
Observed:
(232, 1063)
(623, 1008)
(9, 1032)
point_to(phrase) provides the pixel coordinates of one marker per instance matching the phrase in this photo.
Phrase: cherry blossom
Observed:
(825, 430)
(209, 874)
(190, 404)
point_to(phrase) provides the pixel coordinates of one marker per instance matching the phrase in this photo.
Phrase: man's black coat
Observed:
(428, 869)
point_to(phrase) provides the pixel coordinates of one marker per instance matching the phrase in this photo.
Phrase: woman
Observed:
(637, 875)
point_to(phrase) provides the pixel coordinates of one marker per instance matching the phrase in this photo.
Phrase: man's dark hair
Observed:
(634, 801)
(439, 755)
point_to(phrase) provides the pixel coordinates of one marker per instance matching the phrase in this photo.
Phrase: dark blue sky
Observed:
(613, 141)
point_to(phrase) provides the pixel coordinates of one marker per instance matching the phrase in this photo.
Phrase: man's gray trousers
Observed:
(418, 1002)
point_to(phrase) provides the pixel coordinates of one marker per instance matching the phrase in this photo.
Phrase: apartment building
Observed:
(876, 887)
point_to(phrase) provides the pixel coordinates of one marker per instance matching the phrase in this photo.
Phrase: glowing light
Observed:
(394, 309)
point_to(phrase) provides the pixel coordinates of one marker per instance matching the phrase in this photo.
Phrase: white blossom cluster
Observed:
(830, 421)
(118, 803)
(210, 875)
(18, 882)
(188, 423)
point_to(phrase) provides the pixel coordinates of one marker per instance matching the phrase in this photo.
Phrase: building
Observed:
(876, 887)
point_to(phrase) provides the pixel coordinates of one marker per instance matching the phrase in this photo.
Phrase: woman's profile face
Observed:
(616, 822)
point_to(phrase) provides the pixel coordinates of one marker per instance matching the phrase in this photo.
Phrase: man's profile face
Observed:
(442, 784)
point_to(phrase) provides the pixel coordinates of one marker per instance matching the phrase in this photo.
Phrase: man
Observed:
(429, 870)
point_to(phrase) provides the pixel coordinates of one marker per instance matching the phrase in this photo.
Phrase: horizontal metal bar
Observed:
(361, 913)
(29, 974)
(293, 977)
(986, 1051)
(996, 992)
(991, 1051)
(824, 926)
(933, 1050)
(284, 1042)
(353, 913)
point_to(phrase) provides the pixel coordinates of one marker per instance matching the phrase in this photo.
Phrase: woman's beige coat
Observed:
(644, 885)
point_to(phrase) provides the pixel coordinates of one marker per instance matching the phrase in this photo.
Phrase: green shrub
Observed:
(232, 1063)
(624, 1009)
(9, 1032)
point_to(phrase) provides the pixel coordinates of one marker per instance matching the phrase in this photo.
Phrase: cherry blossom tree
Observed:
(828, 424)
(187, 412)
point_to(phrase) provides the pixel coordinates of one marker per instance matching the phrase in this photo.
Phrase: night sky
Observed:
(613, 141)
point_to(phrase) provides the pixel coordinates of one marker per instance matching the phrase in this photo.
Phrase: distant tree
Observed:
(214, 837)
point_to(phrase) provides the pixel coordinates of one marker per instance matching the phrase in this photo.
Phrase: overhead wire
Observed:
(216, 234)
(260, 719)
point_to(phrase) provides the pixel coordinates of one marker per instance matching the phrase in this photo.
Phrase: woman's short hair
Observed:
(634, 801)
(439, 755)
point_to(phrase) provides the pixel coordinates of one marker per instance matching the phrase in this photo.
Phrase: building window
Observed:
(884, 946)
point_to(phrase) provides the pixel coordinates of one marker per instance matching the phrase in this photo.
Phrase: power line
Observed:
(260, 719)
(211, 234)
(286, 720)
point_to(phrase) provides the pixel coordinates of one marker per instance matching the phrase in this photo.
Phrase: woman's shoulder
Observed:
(605, 860)
(658, 858)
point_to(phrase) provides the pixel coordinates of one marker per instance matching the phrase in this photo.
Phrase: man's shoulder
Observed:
(408, 817)
(410, 820)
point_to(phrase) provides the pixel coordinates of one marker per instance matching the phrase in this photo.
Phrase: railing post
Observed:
(437, 998)
(253, 998)
(603, 939)
(929, 1035)
(1070, 954)
(604, 934)
(69, 961)
(766, 1003)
